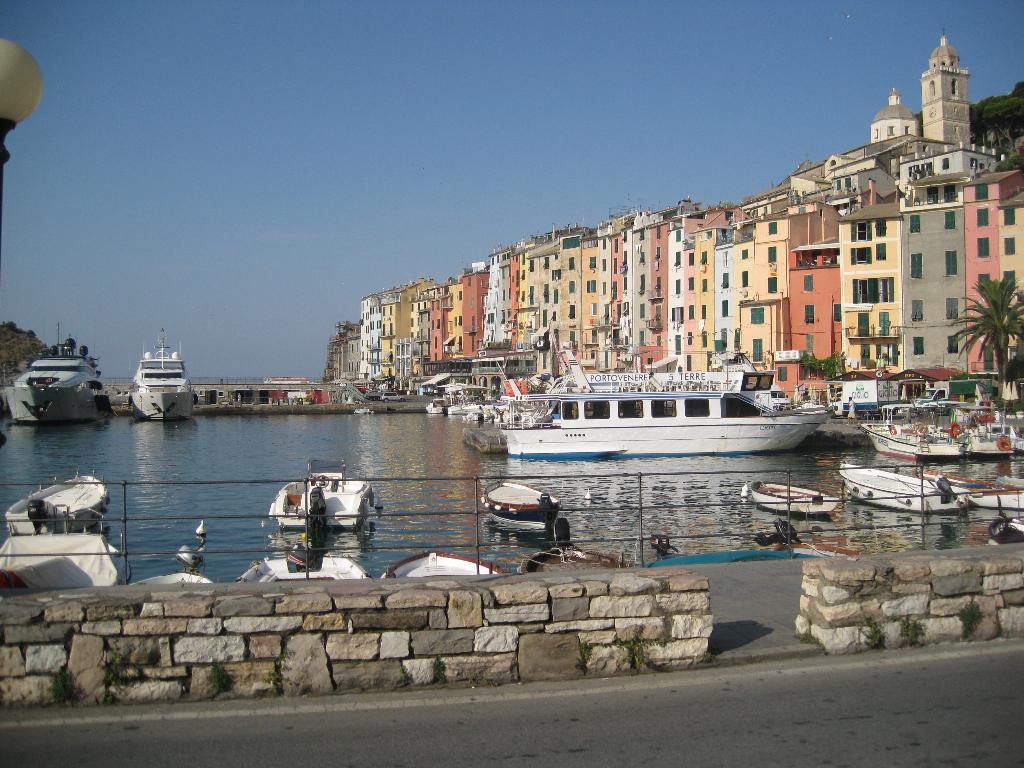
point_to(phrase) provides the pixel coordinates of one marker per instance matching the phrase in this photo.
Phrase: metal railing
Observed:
(642, 507)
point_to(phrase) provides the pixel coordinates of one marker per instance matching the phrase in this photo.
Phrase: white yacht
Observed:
(61, 386)
(332, 499)
(161, 390)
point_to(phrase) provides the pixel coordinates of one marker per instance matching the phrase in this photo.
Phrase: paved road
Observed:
(945, 705)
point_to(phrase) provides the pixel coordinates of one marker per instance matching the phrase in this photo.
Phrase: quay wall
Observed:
(901, 600)
(133, 644)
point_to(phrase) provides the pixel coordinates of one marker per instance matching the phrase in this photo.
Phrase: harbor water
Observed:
(165, 478)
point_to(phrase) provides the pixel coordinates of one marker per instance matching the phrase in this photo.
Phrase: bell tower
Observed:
(945, 107)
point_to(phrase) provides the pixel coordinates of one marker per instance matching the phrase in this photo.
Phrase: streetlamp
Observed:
(21, 88)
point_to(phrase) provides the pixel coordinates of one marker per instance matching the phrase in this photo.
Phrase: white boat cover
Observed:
(60, 561)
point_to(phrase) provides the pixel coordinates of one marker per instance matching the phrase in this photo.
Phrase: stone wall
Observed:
(900, 600)
(130, 644)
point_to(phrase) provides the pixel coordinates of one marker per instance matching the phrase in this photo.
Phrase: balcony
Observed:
(655, 323)
(873, 332)
(826, 261)
(656, 296)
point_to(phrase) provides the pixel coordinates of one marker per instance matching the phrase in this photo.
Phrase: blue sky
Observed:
(241, 173)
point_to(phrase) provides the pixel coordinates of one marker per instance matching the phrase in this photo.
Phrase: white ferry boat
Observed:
(161, 389)
(645, 414)
(62, 386)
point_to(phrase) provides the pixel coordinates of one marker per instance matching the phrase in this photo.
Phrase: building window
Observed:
(837, 313)
(758, 345)
(808, 313)
(1009, 246)
(782, 374)
(572, 311)
(981, 192)
(952, 308)
(880, 252)
(679, 287)
(744, 254)
(983, 217)
(757, 316)
(1010, 275)
(572, 286)
(919, 345)
(916, 265)
(949, 194)
(773, 284)
(809, 283)
(950, 219)
(725, 279)
(982, 247)
(983, 278)
(950, 263)
(860, 231)
(679, 258)
(773, 228)
(951, 345)
(689, 283)
(736, 339)
(689, 312)
(860, 256)
(915, 223)
(725, 309)
(689, 259)
(771, 254)
(703, 311)
(704, 285)
(679, 235)
(880, 228)
(744, 280)
(1009, 215)
(917, 309)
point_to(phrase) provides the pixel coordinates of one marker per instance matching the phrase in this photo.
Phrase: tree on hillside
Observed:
(1014, 162)
(16, 348)
(994, 319)
(998, 120)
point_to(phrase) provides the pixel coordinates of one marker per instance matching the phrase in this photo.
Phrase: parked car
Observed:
(392, 396)
(372, 395)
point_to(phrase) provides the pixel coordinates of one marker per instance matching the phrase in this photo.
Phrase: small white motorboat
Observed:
(1006, 530)
(782, 499)
(985, 444)
(299, 565)
(64, 561)
(439, 564)
(332, 500)
(519, 506)
(913, 441)
(74, 506)
(363, 411)
(191, 561)
(893, 490)
(436, 407)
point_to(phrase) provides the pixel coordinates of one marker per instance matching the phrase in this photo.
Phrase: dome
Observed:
(894, 110)
(945, 55)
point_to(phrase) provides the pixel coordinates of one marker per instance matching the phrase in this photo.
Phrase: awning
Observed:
(663, 363)
(449, 341)
(436, 380)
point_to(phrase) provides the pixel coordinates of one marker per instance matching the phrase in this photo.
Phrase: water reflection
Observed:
(611, 505)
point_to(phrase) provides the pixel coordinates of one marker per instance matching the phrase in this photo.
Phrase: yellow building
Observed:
(399, 316)
(453, 333)
(593, 302)
(871, 274)
(703, 277)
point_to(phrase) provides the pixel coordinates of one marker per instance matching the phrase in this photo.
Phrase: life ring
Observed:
(1003, 443)
(893, 431)
(954, 430)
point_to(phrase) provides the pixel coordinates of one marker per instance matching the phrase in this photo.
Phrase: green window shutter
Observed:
(873, 290)
(950, 262)
(880, 252)
(981, 192)
(837, 313)
(1010, 246)
(950, 220)
(982, 247)
(880, 228)
(919, 345)
(773, 284)
(951, 345)
(1010, 215)
(983, 217)
(916, 265)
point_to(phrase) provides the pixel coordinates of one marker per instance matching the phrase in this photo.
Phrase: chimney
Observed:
(872, 195)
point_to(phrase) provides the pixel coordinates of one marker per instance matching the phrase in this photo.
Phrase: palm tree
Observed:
(994, 319)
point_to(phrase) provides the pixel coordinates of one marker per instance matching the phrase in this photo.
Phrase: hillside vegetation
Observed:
(17, 346)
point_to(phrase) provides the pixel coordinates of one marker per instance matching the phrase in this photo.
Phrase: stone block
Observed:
(909, 605)
(952, 566)
(567, 590)
(631, 606)
(393, 620)
(358, 600)
(105, 628)
(583, 625)
(520, 593)
(683, 602)
(152, 611)
(210, 626)
(677, 654)
(12, 663)
(253, 624)
(197, 607)
(810, 587)
(416, 598)
(686, 627)
(686, 581)
(911, 588)
(206, 650)
(305, 604)
(957, 584)
(644, 629)
(242, 606)
(137, 651)
(149, 691)
(37, 633)
(529, 629)
(600, 637)
(304, 668)
(442, 642)
(516, 614)
(419, 671)
(61, 612)
(12, 613)
(178, 672)
(839, 640)
(801, 626)
(250, 679)
(344, 647)
(367, 675)
(843, 572)
(998, 564)
(499, 639)
(25, 691)
(154, 626)
(85, 664)
(330, 622)
(481, 670)
(394, 645)
(110, 610)
(550, 656)
(570, 608)
(264, 646)
(1013, 597)
(948, 606)
(465, 609)
(830, 595)
(595, 588)
(1011, 621)
(942, 630)
(44, 659)
(606, 660)
(1002, 582)
(912, 569)
(633, 584)
(438, 619)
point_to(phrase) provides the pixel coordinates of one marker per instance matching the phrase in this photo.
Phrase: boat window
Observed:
(162, 375)
(698, 406)
(570, 410)
(765, 381)
(734, 407)
(663, 409)
(631, 409)
(596, 409)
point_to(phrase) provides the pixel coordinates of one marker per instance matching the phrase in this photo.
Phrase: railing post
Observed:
(789, 511)
(476, 518)
(640, 514)
(920, 472)
(309, 548)
(124, 530)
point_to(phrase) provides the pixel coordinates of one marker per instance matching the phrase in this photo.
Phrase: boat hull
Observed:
(162, 406)
(906, 444)
(52, 405)
(439, 564)
(891, 490)
(348, 504)
(782, 499)
(515, 505)
(74, 506)
(276, 569)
